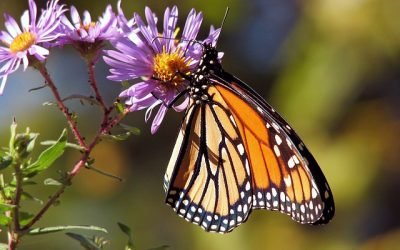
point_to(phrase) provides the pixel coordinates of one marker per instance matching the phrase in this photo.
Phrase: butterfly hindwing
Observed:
(208, 179)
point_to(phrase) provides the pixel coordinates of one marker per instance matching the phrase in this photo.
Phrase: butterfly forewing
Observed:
(295, 155)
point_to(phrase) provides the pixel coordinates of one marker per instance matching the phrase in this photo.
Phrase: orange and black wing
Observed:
(234, 154)
(208, 178)
(285, 176)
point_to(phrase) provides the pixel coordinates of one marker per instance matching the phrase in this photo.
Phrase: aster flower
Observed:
(154, 59)
(86, 35)
(21, 45)
(126, 25)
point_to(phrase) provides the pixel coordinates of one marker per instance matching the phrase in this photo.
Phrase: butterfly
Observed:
(235, 153)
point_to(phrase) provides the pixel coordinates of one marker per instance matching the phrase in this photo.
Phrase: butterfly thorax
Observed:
(200, 79)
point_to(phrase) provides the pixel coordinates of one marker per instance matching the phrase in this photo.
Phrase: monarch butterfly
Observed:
(235, 153)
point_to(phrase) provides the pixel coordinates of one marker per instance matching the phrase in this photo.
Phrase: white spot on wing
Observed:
(278, 139)
(240, 148)
(296, 160)
(277, 151)
(248, 186)
(314, 193)
(288, 181)
(291, 163)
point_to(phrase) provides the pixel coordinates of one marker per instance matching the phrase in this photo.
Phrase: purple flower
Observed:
(159, 60)
(86, 35)
(31, 40)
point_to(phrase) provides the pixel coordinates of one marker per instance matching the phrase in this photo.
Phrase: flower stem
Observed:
(93, 85)
(43, 70)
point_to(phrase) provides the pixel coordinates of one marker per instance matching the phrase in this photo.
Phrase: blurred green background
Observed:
(331, 68)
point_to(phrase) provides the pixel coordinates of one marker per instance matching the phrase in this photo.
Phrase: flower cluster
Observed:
(157, 61)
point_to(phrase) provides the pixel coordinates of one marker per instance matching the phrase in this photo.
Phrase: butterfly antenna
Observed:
(223, 22)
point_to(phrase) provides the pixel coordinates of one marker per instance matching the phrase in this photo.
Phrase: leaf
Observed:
(119, 137)
(163, 247)
(5, 162)
(133, 130)
(28, 196)
(51, 182)
(4, 220)
(85, 242)
(82, 98)
(126, 230)
(13, 129)
(25, 218)
(48, 156)
(119, 106)
(99, 171)
(67, 145)
(49, 104)
(5, 207)
(46, 230)
(38, 88)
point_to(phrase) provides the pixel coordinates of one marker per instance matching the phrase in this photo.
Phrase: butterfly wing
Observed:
(208, 177)
(235, 153)
(286, 177)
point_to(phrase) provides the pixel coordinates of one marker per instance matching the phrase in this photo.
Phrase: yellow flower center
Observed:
(22, 42)
(169, 68)
(88, 26)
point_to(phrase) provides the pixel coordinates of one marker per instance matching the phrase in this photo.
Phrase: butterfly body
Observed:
(235, 153)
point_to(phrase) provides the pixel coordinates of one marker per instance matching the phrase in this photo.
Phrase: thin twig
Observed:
(93, 85)
(43, 70)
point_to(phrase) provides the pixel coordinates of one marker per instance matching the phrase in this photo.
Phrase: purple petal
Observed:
(32, 12)
(76, 19)
(3, 83)
(158, 119)
(11, 25)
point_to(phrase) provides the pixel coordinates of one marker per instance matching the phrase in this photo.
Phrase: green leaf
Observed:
(48, 156)
(67, 145)
(89, 99)
(133, 130)
(49, 104)
(163, 247)
(5, 162)
(46, 230)
(119, 137)
(119, 106)
(25, 218)
(128, 232)
(28, 196)
(99, 171)
(4, 220)
(13, 129)
(51, 182)
(5, 207)
(85, 242)
(23, 144)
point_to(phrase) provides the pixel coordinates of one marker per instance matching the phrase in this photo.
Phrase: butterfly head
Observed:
(210, 56)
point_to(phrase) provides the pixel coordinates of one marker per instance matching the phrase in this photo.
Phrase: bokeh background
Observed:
(331, 68)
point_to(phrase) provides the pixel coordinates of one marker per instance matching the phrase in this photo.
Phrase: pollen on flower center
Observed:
(170, 67)
(22, 42)
(88, 26)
